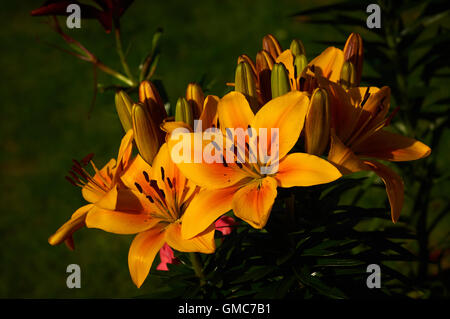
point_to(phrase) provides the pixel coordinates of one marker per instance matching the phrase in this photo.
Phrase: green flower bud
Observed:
(123, 107)
(353, 52)
(317, 123)
(146, 132)
(195, 96)
(279, 80)
(183, 112)
(300, 63)
(348, 75)
(245, 83)
(297, 48)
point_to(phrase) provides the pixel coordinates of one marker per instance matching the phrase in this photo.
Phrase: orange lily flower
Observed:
(98, 190)
(250, 187)
(152, 207)
(358, 122)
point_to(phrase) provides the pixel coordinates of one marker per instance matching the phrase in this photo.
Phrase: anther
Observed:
(138, 187)
(146, 176)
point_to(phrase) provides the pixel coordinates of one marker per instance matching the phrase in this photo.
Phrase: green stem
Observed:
(119, 49)
(114, 73)
(198, 267)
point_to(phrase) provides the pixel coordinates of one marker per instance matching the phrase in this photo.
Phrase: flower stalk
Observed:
(198, 267)
(119, 49)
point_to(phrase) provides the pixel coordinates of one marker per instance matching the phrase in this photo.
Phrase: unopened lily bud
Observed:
(317, 123)
(348, 75)
(300, 63)
(146, 133)
(264, 61)
(297, 47)
(183, 112)
(264, 65)
(245, 83)
(195, 96)
(279, 80)
(353, 52)
(246, 58)
(271, 45)
(147, 93)
(123, 107)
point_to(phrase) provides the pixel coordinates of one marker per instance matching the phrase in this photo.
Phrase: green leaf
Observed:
(318, 285)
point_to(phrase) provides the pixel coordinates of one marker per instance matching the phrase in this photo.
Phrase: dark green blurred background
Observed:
(46, 97)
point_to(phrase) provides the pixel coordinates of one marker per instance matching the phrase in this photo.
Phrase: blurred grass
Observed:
(46, 98)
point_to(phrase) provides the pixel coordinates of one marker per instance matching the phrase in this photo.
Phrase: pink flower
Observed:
(167, 257)
(224, 225)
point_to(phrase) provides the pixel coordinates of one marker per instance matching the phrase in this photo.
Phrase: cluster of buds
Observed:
(144, 117)
(276, 72)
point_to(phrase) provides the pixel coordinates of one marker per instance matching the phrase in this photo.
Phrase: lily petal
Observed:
(287, 59)
(343, 112)
(69, 227)
(209, 175)
(119, 222)
(392, 147)
(287, 113)
(142, 252)
(234, 111)
(123, 158)
(91, 195)
(343, 157)
(329, 63)
(204, 209)
(209, 114)
(394, 187)
(253, 202)
(301, 169)
(135, 174)
(202, 243)
(120, 198)
(170, 126)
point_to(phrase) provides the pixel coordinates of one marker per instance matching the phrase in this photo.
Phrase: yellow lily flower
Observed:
(98, 190)
(359, 116)
(152, 206)
(247, 186)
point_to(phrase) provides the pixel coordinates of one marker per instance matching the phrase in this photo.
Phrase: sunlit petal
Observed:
(253, 202)
(300, 169)
(142, 252)
(202, 243)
